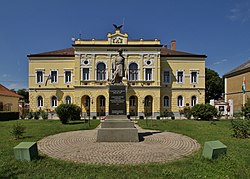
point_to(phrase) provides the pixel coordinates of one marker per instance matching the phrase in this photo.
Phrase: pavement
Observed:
(154, 147)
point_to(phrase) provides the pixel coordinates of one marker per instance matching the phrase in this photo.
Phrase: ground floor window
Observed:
(180, 101)
(54, 101)
(39, 101)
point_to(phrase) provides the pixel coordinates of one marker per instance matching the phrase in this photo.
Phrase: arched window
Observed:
(68, 100)
(133, 72)
(39, 101)
(166, 101)
(193, 101)
(180, 101)
(101, 71)
(54, 101)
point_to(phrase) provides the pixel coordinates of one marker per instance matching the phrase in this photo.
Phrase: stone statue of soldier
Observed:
(118, 67)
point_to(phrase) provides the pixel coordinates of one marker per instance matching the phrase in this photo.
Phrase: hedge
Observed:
(7, 116)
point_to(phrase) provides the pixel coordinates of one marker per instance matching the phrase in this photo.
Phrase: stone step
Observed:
(117, 124)
(117, 135)
(116, 117)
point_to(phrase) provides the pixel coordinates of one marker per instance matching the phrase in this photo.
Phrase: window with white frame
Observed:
(166, 101)
(166, 77)
(101, 72)
(39, 76)
(133, 72)
(68, 100)
(193, 100)
(54, 101)
(53, 76)
(180, 101)
(180, 76)
(85, 74)
(148, 74)
(39, 101)
(194, 77)
(67, 76)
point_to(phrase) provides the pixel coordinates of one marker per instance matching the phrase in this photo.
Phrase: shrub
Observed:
(164, 113)
(36, 114)
(68, 112)
(187, 112)
(30, 115)
(7, 115)
(241, 128)
(246, 109)
(44, 115)
(141, 117)
(203, 112)
(18, 130)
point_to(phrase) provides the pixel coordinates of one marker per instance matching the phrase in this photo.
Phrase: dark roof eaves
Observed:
(238, 72)
(115, 45)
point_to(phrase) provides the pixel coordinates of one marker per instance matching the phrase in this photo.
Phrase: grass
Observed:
(235, 165)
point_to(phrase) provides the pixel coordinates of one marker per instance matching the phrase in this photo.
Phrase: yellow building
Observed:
(157, 78)
(8, 100)
(233, 86)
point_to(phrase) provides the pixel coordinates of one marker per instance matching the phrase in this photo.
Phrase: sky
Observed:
(218, 29)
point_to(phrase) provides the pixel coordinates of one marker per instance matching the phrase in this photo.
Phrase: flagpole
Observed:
(244, 93)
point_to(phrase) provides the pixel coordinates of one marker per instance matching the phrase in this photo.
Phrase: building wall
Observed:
(233, 90)
(9, 103)
(144, 56)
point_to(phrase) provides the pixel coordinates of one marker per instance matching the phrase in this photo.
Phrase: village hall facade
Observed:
(157, 78)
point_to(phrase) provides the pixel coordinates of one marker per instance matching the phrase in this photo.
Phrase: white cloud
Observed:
(4, 75)
(241, 12)
(220, 62)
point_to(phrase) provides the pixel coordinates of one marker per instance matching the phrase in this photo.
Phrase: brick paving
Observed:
(81, 147)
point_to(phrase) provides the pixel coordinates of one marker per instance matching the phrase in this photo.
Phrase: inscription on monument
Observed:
(117, 100)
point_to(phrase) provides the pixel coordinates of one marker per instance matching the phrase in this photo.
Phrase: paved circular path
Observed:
(81, 147)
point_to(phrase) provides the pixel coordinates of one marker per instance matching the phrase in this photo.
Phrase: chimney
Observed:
(166, 46)
(173, 45)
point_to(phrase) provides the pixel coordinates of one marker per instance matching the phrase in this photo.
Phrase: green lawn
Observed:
(235, 165)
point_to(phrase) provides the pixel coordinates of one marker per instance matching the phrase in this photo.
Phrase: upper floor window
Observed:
(179, 76)
(133, 72)
(180, 101)
(68, 76)
(39, 76)
(85, 74)
(53, 76)
(101, 71)
(148, 74)
(166, 77)
(39, 101)
(193, 100)
(194, 76)
(166, 101)
(68, 100)
(54, 101)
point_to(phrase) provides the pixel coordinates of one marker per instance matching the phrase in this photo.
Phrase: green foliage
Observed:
(68, 112)
(187, 112)
(36, 114)
(203, 112)
(214, 85)
(30, 115)
(18, 130)
(246, 109)
(44, 114)
(235, 165)
(7, 115)
(241, 128)
(164, 113)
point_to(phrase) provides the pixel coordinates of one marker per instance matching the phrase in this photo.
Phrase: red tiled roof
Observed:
(240, 69)
(6, 92)
(174, 53)
(67, 52)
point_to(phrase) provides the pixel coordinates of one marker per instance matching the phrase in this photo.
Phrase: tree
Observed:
(25, 93)
(214, 85)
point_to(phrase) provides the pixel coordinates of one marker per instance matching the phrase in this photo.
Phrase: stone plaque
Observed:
(117, 100)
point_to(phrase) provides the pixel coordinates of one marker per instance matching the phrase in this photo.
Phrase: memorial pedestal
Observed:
(117, 128)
